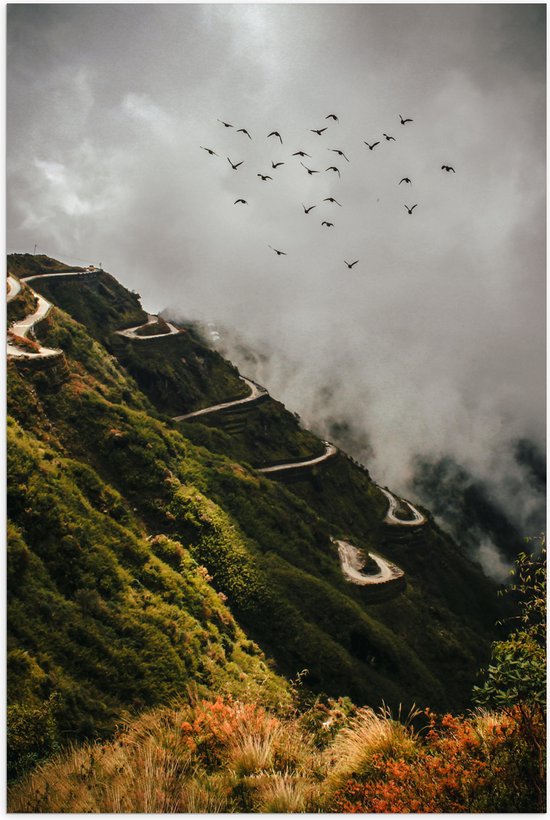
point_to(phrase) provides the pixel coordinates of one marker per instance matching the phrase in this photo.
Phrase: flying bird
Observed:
(351, 264)
(328, 224)
(276, 164)
(279, 253)
(264, 177)
(370, 147)
(410, 210)
(317, 130)
(236, 165)
(275, 134)
(333, 168)
(405, 179)
(243, 201)
(389, 138)
(301, 154)
(244, 131)
(227, 124)
(340, 153)
(331, 199)
(448, 168)
(332, 117)
(308, 170)
(404, 121)
(307, 210)
(210, 151)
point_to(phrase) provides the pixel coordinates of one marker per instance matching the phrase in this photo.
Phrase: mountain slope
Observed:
(113, 509)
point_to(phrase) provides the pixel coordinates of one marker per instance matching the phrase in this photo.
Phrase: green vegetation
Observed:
(96, 300)
(27, 264)
(261, 433)
(145, 558)
(516, 678)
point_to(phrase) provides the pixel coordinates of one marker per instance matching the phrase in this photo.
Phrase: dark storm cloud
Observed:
(435, 342)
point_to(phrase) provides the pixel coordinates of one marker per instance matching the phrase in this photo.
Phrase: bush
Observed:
(31, 734)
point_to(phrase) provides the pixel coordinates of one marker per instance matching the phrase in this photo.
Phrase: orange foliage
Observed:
(452, 765)
(212, 725)
(23, 341)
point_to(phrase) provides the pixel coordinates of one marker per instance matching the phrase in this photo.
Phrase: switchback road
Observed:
(256, 392)
(417, 517)
(352, 562)
(330, 450)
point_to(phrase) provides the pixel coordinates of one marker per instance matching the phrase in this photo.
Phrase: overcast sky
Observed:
(435, 341)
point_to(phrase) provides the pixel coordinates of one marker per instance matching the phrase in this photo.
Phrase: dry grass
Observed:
(286, 794)
(212, 757)
(370, 735)
(154, 767)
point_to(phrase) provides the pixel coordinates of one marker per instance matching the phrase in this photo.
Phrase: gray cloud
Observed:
(435, 342)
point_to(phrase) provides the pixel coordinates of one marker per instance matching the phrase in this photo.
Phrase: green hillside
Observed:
(146, 556)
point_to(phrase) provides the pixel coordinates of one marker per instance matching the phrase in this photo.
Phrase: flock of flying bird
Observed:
(302, 154)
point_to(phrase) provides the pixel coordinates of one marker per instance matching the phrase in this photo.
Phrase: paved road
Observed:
(131, 332)
(14, 286)
(23, 327)
(330, 450)
(417, 517)
(55, 275)
(352, 562)
(256, 392)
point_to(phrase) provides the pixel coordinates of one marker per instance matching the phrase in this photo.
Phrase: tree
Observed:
(516, 676)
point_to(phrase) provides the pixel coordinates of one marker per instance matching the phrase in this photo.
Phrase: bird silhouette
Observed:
(389, 138)
(317, 130)
(276, 164)
(210, 151)
(404, 121)
(243, 201)
(275, 134)
(351, 264)
(236, 165)
(410, 210)
(227, 124)
(309, 170)
(333, 168)
(331, 199)
(448, 168)
(279, 253)
(405, 179)
(370, 147)
(332, 117)
(307, 210)
(244, 131)
(301, 154)
(340, 153)
(264, 177)
(328, 224)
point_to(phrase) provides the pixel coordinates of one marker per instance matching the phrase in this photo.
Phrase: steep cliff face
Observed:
(146, 554)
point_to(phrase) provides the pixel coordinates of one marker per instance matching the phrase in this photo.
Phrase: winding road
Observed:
(24, 326)
(353, 561)
(350, 557)
(394, 502)
(14, 286)
(256, 392)
(330, 450)
(132, 332)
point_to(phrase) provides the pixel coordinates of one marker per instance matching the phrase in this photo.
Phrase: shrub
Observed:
(31, 734)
